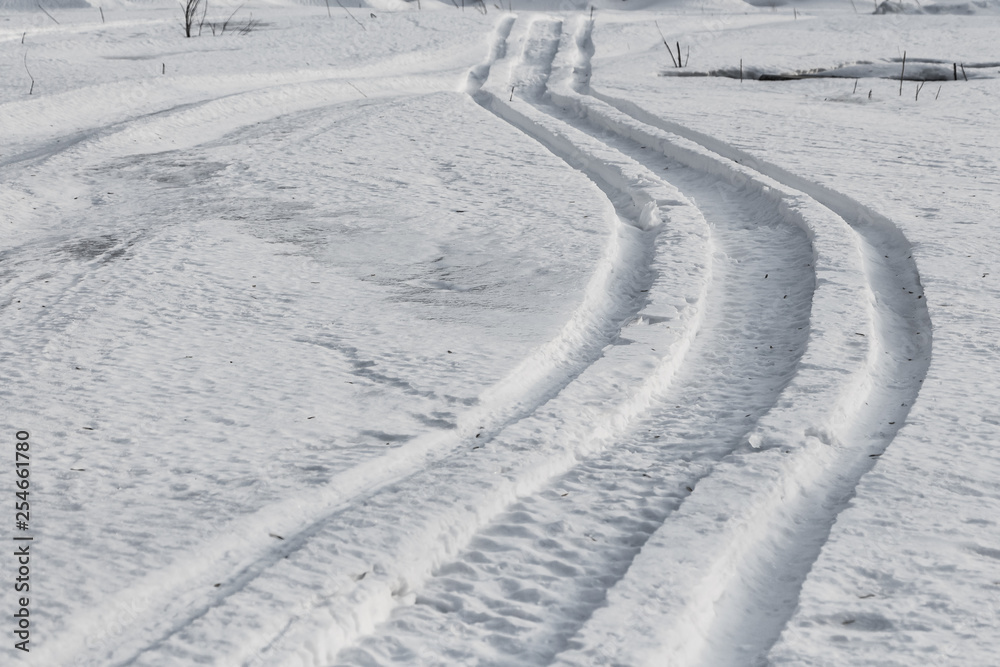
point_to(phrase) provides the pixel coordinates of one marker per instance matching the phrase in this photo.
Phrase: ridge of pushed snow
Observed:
(775, 505)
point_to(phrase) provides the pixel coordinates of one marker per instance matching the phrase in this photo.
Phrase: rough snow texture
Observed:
(403, 335)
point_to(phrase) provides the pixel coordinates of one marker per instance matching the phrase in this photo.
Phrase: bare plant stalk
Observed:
(916, 97)
(855, 87)
(954, 71)
(46, 13)
(678, 54)
(190, 8)
(937, 93)
(226, 23)
(359, 22)
(22, 37)
(357, 89)
(687, 57)
(102, 13)
(964, 75)
(249, 26)
(32, 88)
(741, 70)
(204, 12)
(328, 12)
(856, 7)
(901, 71)
(665, 44)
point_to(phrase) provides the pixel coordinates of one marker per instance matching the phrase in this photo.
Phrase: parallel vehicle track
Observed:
(746, 348)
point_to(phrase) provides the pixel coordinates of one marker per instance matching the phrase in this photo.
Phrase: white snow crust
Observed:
(432, 334)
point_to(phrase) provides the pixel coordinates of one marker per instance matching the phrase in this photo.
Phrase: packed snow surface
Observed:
(493, 334)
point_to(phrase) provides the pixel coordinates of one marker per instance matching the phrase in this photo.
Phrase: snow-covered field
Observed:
(390, 334)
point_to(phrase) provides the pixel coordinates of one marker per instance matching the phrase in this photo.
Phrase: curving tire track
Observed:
(808, 454)
(780, 503)
(164, 600)
(178, 616)
(386, 546)
(246, 550)
(755, 523)
(529, 580)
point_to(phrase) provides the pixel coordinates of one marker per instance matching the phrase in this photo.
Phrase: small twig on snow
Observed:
(204, 12)
(46, 13)
(226, 23)
(901, 71)
(665, 44)
(249, 26)
(32, 88)
(352, 15)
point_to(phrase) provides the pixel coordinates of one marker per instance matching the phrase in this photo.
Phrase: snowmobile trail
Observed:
(167, 600)
(529, 580)
(705, 565)
(748, 345)
(806, 457)
(378, 553)
(335, 529)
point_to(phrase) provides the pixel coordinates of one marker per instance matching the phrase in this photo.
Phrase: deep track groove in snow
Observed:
(612, 298)
(373, 563)
(531, 578)
(734, 603)
(612, 453)
(734, 610)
